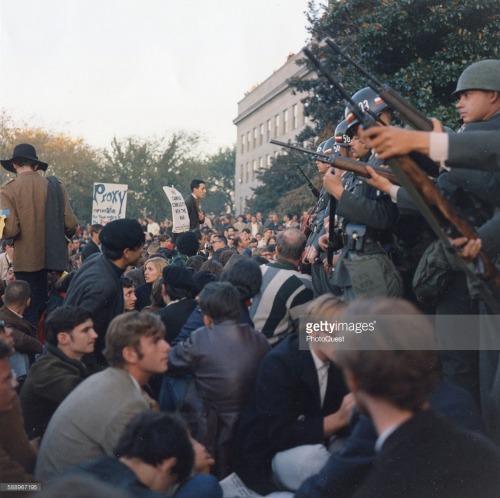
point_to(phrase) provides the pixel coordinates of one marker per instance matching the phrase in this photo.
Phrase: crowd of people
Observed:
(153, 363)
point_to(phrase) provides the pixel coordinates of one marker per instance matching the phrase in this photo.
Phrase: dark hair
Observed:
(62, 284)
(245, 275)
(64, 319)
(195, 184)
(111, 254)
(127, 283)
(202, 278)
(126, 330)
(212, 266)
(220, 301)
(17, 293)
(222, 238)
(7, 242)
(154, 437)
(195, 262)
(187, 244)
(95, 228)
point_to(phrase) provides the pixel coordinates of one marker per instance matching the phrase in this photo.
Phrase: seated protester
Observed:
(17, 456)
(298, 402)
(70, 335)
(223, 357)
(153, 269)
(419, 453)
(246, 277)
(17, 299)
(129, 297)
(178, 291)
(89, 421)
(345, 469)
(152, 458)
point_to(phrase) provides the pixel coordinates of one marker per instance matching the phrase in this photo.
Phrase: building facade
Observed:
(268, 111)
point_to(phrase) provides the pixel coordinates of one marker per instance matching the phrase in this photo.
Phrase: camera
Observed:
(208, 246)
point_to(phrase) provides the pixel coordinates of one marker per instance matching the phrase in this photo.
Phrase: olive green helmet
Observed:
(482, 75)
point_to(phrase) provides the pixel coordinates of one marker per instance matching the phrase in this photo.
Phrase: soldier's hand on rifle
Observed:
(468, 249)
(332, 181)
(390, 141)
(378, 182)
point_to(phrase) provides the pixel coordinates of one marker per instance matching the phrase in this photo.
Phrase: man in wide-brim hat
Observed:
(32, 199)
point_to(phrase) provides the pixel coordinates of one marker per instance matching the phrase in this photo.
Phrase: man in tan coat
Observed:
(31, 200)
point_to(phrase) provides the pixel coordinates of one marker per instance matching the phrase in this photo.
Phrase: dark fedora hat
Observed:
(23, 151)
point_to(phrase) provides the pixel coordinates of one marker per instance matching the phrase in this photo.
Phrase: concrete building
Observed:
(268, 111)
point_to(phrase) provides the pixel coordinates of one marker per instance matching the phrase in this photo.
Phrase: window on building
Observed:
(269, 128)
(261, 163)
(254, 138)
(247, 179)
(254, 169)
(285, 121)
(295, 111)
(276, 125)
(243, 143)
(261, 135)
(268, 160)
(240, 179)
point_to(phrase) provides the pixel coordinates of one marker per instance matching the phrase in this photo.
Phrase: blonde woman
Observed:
(153, 269)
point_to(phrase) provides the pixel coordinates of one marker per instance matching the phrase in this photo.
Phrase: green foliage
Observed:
(220, 181)
(283, 189)
(147, 166)
(417, 47)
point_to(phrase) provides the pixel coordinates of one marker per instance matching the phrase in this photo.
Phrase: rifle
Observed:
(343, 163)
(408, 112)
(312, 188)
(424, 193)
(424, 162)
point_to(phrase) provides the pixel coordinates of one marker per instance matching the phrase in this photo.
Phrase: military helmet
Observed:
(342, 139)
(482, 75)
(327, 148)
(366, 99)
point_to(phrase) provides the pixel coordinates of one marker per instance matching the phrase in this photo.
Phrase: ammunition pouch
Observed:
(355, 237)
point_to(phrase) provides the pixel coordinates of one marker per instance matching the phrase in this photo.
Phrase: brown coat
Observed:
(25, 197)
(17, 457)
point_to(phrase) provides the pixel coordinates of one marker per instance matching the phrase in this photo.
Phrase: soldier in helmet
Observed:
(366, 216)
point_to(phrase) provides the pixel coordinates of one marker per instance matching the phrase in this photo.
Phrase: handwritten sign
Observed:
(109, 202)
(180, 216)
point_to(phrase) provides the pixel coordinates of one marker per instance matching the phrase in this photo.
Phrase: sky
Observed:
(99, 69)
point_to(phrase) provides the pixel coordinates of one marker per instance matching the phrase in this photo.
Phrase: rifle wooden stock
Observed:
(432, 196)
(343, 163)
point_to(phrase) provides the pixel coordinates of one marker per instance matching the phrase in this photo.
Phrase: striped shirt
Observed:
(276, 307)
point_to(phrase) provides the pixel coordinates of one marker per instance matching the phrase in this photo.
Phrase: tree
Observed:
(147, 165)
(418, 47)
(220, 181)
(282, 186)
(73, 161)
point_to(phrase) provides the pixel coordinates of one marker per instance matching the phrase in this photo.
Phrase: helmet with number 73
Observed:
(366, 99)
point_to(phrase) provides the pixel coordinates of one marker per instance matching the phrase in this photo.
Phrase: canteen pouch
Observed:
(373, 275)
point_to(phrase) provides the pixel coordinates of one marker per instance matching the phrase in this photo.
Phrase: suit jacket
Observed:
(25, 197)
(345, 470)
(284, 410)
(428, 456)
(192, 209)
(24, 333)
(89, 421)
